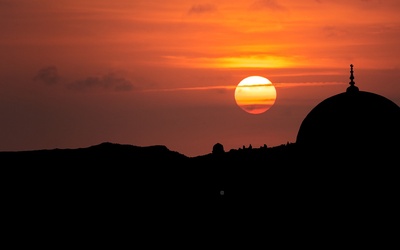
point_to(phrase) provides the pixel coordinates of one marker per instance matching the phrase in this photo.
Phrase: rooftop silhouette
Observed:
(355, 125)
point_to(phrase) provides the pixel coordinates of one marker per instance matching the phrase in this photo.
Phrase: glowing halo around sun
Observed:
(255, 94)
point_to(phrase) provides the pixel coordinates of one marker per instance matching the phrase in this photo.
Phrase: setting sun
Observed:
(255, 94)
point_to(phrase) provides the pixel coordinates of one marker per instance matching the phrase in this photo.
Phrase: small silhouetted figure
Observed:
(218, 149)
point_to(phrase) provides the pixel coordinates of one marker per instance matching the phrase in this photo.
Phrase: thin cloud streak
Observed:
(191, 88)
(304, 84)
(229, 87)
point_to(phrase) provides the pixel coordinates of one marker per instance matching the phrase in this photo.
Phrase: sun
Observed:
(255, 94)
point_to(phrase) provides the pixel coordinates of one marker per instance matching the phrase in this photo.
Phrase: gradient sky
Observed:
(75, 73)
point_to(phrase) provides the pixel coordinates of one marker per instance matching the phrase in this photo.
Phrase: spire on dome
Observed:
(352, 88)
(351, 75)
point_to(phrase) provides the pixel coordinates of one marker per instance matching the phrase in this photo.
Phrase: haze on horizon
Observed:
(78, 73)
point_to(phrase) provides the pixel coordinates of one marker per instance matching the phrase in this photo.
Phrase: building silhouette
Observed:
(351, 127)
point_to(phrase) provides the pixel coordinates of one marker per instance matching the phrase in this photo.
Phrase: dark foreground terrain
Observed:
(113, 182)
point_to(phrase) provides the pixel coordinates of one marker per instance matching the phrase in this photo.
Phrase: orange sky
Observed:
(74, 73)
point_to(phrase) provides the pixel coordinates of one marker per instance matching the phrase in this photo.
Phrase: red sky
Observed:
(75, 73)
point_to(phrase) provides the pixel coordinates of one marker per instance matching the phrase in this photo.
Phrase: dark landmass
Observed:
(155, 171)
(159, 174)
(111, 183)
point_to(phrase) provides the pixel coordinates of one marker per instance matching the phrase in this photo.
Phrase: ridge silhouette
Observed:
(158, 172)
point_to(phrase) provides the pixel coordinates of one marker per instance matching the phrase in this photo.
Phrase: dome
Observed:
(352, 124)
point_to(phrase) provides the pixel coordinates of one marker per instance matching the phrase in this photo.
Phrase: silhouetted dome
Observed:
(352, 124)
(218, 148)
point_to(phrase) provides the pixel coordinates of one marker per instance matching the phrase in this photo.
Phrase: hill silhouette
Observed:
(110, 186)
(157, 173)
(155, 169)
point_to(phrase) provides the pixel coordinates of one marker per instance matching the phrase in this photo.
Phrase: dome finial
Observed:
(351, 75)
(352, 88)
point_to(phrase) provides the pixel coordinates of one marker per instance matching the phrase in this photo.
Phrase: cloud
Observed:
(223, 89)
(268, 4)
(334, 32)
(108, 81)
(202, 8)
(304, 84)
(219, 88)
(48, 75)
